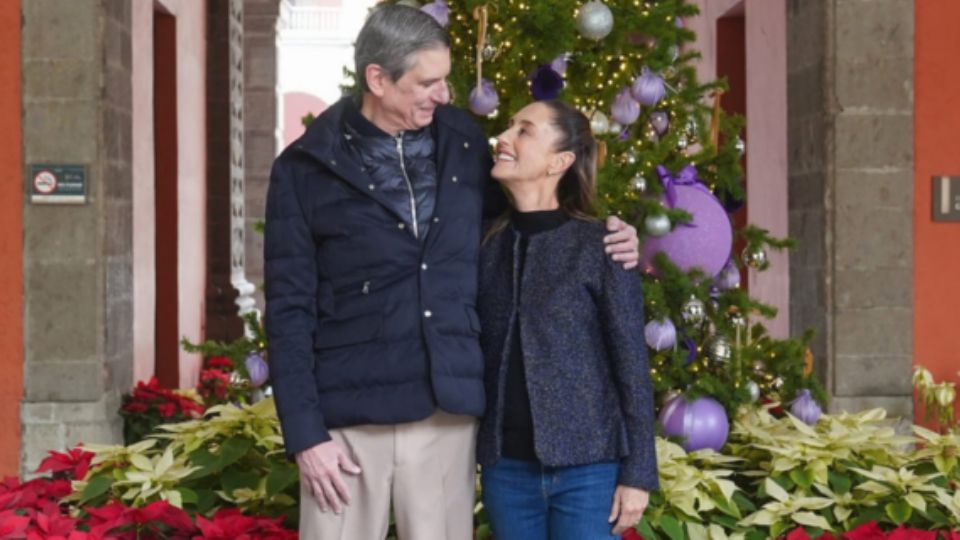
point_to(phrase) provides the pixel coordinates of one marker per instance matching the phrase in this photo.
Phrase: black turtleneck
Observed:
(517, 420)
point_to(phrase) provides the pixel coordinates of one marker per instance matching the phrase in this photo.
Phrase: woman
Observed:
(566, 443)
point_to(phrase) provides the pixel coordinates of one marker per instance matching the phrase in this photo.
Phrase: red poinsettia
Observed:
(215, 383)
(154, 520)
(230, 524)
(220, 362)
(867, 531)
(72, 464)
(903, 533)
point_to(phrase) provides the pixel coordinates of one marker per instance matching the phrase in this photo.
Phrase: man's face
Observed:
(410, 101)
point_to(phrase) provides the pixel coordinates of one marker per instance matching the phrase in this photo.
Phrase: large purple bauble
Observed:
(648, 88)
(257, 369)
(660, 335)
(625, 109)
(701, 423)
(706, 244)
(483, 100)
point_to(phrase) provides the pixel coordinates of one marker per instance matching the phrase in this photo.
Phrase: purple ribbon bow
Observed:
(686, 177)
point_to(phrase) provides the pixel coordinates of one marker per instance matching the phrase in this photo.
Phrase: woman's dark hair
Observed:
(576, 188)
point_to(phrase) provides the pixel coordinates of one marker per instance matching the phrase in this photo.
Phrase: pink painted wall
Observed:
(192, 143)
(766, 46)
(296, 105)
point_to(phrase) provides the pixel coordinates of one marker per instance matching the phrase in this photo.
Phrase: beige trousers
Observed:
(426, 469)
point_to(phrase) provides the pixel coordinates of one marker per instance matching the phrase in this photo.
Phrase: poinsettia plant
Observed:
(150, 405)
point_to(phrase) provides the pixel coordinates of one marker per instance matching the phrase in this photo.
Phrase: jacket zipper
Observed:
(413, 200)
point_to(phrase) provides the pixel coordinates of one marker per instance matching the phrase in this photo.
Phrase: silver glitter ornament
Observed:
(754, 390)
(657, 225)
(595, 20)
(720, 350)
(599, 123)
(488, 51)
(738, 321)
(691, 127)
(682, 142)
(693, 310)
(756, 258)
(740, 146)
(639, 184)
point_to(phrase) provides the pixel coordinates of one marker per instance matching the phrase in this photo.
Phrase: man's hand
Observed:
(622, 244)
(628, 506)
(320, 473)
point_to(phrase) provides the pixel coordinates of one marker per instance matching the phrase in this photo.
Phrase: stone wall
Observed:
(850, 119)
(77, 259)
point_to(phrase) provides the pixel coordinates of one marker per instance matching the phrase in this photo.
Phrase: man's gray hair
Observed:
(390, 37)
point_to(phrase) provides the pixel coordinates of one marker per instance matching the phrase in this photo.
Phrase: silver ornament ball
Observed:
(615, 128)
(595, 20)
(756, 258)
(657, 225)
(738, 321)
(754, 390)
(630, 157)
(720, 350)
(694, 311)
(599, 123)
(740, 146)
(488, 51)
(639, 184)
(682, 142)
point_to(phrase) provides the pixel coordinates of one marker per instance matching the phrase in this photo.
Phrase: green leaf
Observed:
(898, 511)
(280, 478)
(755, 534)
(839, 483)
(484, 532)
(672, 527)
(744, 502)
(96, 486)
(207, 499)
(802, 477)
(233, 449)
(728, 507)
(187, 495)
(233, 480)
(646, 531)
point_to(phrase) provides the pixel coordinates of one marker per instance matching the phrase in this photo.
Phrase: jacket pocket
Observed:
(340, 333)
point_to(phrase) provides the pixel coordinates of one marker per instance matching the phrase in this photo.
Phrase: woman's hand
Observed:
(628, 506)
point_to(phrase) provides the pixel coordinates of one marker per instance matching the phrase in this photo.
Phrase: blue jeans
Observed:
(527, 501)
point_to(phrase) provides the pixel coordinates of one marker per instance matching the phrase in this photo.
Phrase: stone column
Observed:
(850, 123)
(77, 259)
(260, 122)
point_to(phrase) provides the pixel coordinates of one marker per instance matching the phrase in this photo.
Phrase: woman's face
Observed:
(525, 150)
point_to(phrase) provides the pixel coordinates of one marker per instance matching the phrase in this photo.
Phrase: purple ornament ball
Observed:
(704, 243)
(806, 408)
(671, 416)
(483, 99)
(660, 335)
(545, 83)
(439, 11)
(705, 425)
(625, 109)
(660, 121)
(257, 369)
(729, 277)
(648, 88)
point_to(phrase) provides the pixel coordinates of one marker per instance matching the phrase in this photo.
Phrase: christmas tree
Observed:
(670, 165)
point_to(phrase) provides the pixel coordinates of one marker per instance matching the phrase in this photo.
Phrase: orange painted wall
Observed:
(936, 278)
(11, 238)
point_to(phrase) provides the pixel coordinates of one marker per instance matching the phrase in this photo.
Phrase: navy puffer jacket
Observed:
(368, 324)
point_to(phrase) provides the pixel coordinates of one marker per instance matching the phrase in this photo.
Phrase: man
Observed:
(372, 238)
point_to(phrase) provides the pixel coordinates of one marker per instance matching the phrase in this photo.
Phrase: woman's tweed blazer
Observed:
(581, 330)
